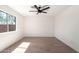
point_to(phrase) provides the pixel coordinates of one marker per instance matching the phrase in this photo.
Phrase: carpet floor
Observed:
(39, 45)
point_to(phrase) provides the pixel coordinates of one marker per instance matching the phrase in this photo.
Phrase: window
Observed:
(7, 22)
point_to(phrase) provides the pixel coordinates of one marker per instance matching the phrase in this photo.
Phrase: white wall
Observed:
(39, 26)
(8, 38)
(67, 27)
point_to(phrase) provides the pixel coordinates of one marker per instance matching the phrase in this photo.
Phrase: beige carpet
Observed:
(39, 45)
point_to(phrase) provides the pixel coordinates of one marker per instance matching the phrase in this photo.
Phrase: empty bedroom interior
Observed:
(56, 31)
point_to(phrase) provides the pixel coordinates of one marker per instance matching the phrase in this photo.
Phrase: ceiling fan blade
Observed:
(45, 8)
(37, 13)
(33, 11)
(32, 7)
(44, 12)
(36, 7)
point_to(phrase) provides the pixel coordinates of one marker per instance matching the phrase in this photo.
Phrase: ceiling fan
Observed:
(40, 9)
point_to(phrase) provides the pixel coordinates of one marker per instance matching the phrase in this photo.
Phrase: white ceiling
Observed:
(24, 9)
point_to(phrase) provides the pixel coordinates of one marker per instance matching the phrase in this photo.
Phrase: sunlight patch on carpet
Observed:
(22, 47)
